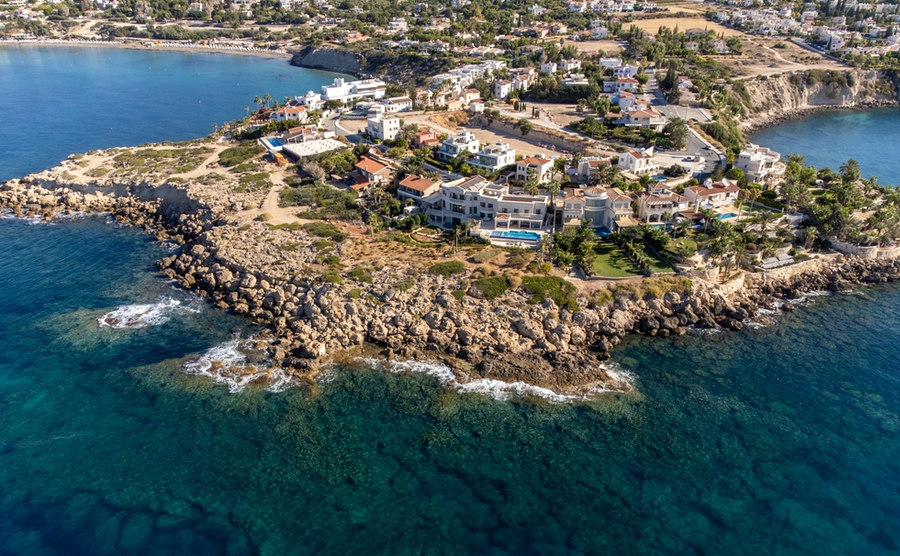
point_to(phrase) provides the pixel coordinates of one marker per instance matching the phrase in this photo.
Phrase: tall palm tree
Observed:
(708, 216)
(753, 191)
(266, 98)
(257, 101)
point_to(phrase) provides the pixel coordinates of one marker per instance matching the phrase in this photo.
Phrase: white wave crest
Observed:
(621, 381)
(139, 316)
(227, 364)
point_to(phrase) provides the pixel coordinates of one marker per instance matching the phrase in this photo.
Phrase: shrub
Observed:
(332, 278)
(354, 293)
(486, 255)
(264, 217)
(324, 230)
(361, 274)
(458, 294)
(447, 268)
(236, 155)
(550, 287)
(492, 286)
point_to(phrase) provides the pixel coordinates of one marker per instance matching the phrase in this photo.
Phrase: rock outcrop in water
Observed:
(314, 320)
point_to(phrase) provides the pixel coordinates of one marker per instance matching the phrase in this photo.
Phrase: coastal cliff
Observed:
(266, 273)
(406, 69)
(773, 99)
(330, 59)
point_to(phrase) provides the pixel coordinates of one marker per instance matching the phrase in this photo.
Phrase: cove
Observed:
(832, 137)
(61, 100)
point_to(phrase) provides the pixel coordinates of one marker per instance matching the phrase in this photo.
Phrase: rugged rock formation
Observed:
(329, 59)
(314, 320)
(399, 68)
(781, 97)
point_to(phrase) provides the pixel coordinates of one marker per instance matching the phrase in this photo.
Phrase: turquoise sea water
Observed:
(60, 100)
(830, 138)
(782, 440)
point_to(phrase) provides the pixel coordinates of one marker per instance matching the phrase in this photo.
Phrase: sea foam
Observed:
(139, 316)
(229, 364)
(621, 381)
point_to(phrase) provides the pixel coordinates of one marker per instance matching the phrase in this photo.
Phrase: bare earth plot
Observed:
(683, 24)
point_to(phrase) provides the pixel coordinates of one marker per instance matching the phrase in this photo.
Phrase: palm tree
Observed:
(753, 191)
(266, 98)
(708, 216)
(666, 218)
(247, 109)
(257, 101)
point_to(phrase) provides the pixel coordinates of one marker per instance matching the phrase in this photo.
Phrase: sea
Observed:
(120, 434)
(829, 139)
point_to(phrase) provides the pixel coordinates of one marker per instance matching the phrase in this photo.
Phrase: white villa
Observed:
(384, 127)
(494, 157)
(643, 118)
(604, 207)
(478, 199)
(713, 195)
(638, 162)
(760, 164)
(653, 206)
(346, 91)
(538, 166)
(456, 145)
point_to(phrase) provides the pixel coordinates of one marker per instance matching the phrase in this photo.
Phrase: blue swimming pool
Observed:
(726, 216)
(514, 234)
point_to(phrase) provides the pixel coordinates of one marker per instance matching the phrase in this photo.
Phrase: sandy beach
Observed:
(139, 44)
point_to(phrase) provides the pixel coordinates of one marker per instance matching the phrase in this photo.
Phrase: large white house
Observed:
(384, 127)
(660, 207)
(643, 118)
(456, 145)
(347, 91)
(760, 164)
(713, 195)
(625, 71)
(638, 162)
(538, 166)
(494, 157)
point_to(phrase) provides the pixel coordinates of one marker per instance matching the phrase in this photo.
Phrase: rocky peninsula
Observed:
(275, 276)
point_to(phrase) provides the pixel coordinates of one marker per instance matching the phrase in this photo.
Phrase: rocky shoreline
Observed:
(771, 120)
(509, 339)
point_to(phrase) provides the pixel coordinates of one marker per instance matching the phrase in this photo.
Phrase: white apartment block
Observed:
(494, 157)
(346, 91)
(458, 144)
(383, 127)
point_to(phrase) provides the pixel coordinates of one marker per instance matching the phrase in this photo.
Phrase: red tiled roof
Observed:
(369, 165)
(417, 183)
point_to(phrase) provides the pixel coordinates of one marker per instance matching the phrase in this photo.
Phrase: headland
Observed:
(398, 298)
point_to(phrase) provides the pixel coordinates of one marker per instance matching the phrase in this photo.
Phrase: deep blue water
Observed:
(830, 138)
(782, 440)
(60, 100)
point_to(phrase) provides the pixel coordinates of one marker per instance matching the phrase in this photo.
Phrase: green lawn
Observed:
(657, 264)
(611, 262)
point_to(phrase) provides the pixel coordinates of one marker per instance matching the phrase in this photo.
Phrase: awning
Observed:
(626, 221)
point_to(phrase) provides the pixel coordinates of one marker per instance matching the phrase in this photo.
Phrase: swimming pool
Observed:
(726, 216)
(514, 234)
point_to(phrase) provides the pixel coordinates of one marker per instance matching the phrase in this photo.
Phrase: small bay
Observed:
(830, 138)
(772, 440)
(61, 100)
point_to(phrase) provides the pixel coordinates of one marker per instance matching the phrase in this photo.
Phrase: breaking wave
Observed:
(230, 364)
(621, 380)
(139, 316)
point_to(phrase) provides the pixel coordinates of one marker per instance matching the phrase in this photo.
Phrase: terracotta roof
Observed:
(535, 160)
(369, 165)
(417, 183)
(718, 187)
